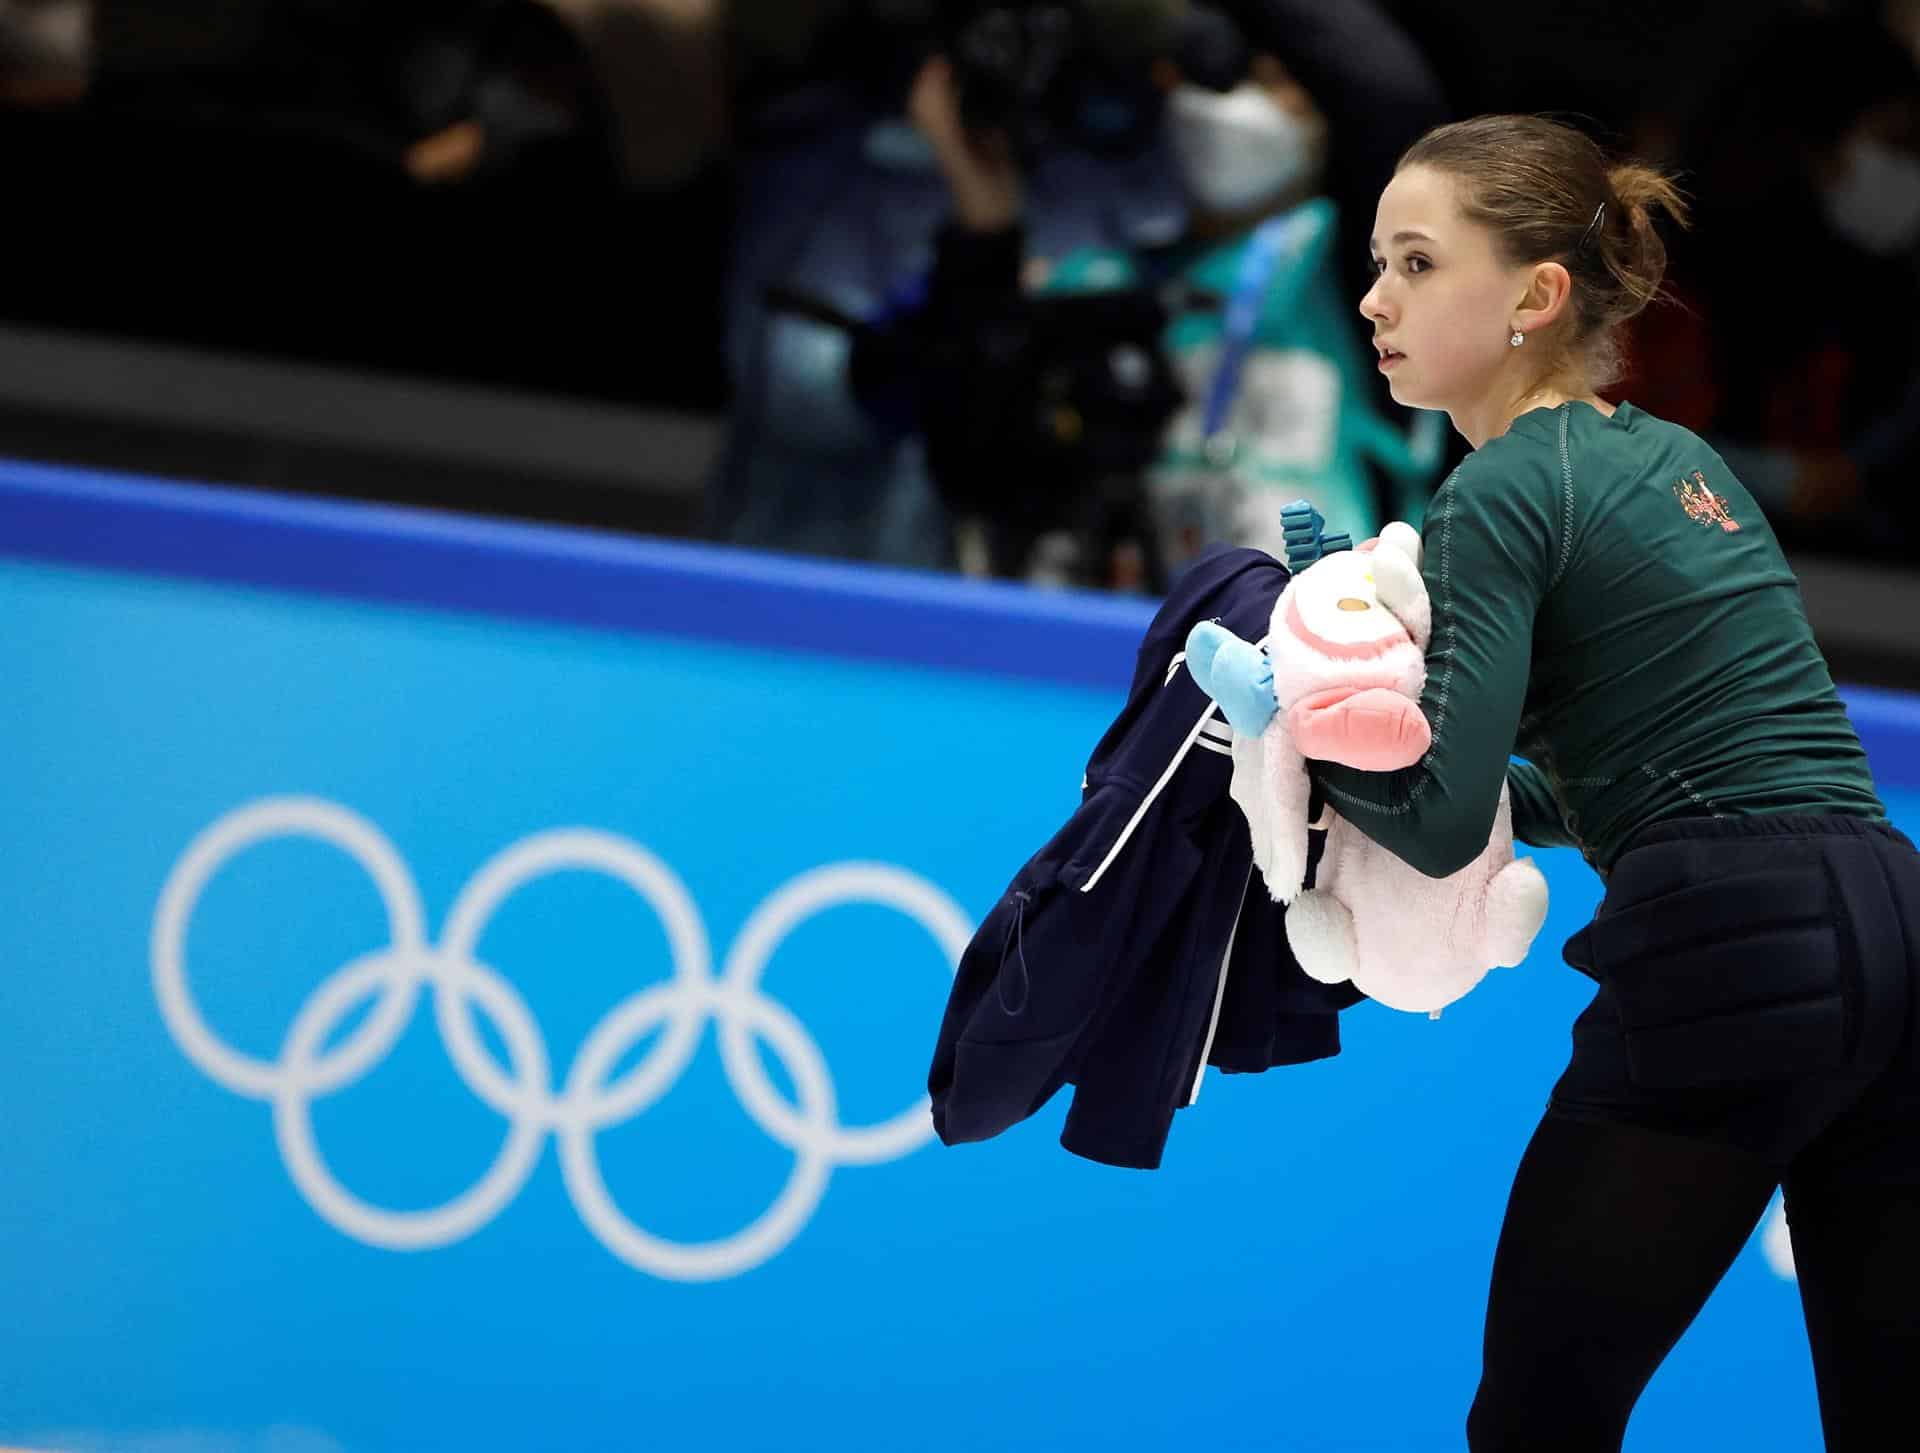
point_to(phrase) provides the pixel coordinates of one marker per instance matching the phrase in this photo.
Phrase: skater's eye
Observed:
(1416, 263)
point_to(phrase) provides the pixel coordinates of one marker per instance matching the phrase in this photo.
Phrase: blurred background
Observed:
(948, 284)
(1023, 301)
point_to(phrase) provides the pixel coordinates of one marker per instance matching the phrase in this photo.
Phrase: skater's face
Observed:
(1444, 304)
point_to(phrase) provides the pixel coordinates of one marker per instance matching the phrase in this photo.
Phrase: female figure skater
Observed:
(1610, 605)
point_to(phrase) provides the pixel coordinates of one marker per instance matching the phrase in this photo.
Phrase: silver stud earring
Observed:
(1518, 338)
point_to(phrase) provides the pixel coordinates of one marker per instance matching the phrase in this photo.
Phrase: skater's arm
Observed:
(1489, 550)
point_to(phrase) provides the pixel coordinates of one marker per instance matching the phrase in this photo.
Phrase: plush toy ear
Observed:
(1401, 536)
(1235, 673)
(1396, 579)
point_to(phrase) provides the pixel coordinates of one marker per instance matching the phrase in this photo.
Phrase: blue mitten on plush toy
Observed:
(1236, 673)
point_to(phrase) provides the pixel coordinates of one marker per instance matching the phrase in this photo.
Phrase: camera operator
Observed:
(839, 198)
(1280, 398)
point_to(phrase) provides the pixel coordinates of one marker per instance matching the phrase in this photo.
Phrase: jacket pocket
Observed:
(1741, 977)
(1063, 957)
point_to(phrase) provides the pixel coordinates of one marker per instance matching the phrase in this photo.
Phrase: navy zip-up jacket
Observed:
(1137, 946)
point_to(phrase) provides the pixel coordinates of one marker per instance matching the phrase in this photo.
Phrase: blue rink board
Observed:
(733, 732)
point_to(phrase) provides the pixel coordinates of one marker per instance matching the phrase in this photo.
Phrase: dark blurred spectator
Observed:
(46, 51)
(1634, 71)
(1902, 19)
(660, 66)
(1793, 346)
(495, 191)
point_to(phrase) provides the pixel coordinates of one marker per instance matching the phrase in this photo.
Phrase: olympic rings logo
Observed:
(586, 1103)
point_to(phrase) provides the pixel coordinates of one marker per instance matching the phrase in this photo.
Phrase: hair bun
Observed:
(1543, 189)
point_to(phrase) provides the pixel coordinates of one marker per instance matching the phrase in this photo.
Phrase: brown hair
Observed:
(1536, 185)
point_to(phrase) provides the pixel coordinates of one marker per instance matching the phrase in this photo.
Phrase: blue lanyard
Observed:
(1243, 317)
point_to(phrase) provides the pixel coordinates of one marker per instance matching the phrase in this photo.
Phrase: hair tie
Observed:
(1598, 213)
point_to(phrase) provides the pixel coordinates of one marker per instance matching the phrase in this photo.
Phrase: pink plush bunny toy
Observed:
(1339, 680)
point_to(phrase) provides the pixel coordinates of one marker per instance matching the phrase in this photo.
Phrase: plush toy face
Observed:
(1338, 608)
(1330, 629)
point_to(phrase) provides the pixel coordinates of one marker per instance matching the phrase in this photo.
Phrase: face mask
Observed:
(1877, 203)
(1237, 150)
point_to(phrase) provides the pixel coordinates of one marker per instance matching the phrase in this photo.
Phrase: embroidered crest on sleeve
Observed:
(1703, 505)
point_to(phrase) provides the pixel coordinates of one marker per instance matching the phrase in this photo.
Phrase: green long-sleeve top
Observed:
(1609, 604)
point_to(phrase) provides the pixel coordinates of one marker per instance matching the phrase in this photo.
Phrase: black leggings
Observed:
(1614, 1237)
(1632, 1201)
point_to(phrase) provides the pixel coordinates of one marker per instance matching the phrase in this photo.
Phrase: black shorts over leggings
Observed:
(1754, 1028)
(1757, 989)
